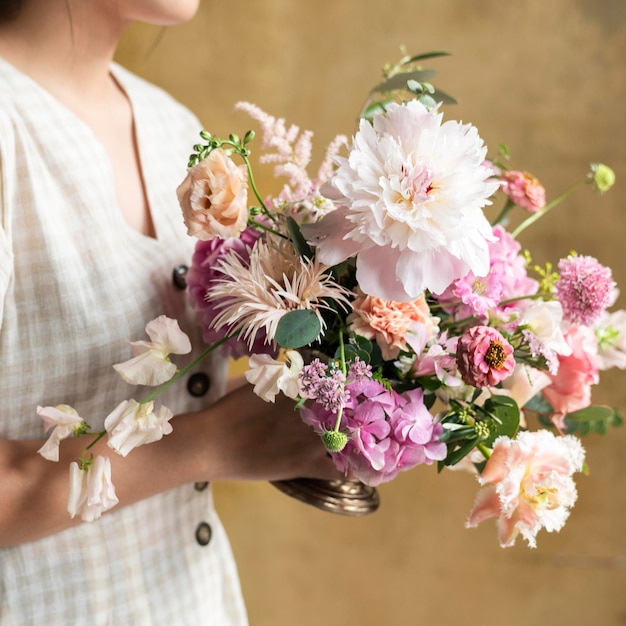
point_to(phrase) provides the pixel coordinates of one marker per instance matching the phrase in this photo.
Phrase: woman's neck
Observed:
(66, 51)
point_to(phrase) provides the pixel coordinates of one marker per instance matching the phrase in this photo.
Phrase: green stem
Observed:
(260, 226)
(95, 441)
(535, 216)
(486, 452)
(180, 373)
(254, 187)
(505, 211)
(342, 356)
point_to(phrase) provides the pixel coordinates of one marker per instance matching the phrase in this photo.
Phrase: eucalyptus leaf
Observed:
(428, 55)
(297, 329)
(507, 415)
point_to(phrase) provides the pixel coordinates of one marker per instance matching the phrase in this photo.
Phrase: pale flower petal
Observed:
(91, 491)
(270, 377)
(132, 424)
(65, 422)
(151, 364)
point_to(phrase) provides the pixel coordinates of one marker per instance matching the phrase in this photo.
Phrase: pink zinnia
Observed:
(585, 289)
(525, 190)
(484, 357)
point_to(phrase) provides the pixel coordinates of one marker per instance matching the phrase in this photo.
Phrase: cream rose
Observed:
(214, 198)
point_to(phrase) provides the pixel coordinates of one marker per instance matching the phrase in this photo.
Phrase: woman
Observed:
(90, 157)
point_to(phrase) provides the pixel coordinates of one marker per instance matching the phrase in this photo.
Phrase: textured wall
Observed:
(545, 77)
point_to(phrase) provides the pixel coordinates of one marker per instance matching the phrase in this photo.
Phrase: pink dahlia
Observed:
(585, 289)
(409, 200)
(524, 189)
(484, 357)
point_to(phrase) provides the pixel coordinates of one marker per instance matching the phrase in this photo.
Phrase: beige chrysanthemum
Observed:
(277, 280)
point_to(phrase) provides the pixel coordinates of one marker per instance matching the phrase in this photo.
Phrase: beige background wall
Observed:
(547, 77)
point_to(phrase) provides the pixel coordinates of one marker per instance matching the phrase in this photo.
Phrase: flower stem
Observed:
(342, 357)
(535, 216)
(505, 211)
(485, 451)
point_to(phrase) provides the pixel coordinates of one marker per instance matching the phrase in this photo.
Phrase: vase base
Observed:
(342, 497)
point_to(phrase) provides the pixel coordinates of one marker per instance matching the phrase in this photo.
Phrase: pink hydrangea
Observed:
(585, 289)
(570, 388)
(388, 432)
(484, 357)
(527, 485)
(524, 189)
(203, 271)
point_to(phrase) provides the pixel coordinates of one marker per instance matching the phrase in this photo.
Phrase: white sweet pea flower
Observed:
(65, 421)
(151, 365)
(91, 490)
(545, 319)
(132, 424)
(611, 335)
(269, 376)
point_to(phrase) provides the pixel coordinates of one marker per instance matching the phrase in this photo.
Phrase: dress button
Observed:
(200, 486)
(198, 384)
(203, 533)
(179, 277)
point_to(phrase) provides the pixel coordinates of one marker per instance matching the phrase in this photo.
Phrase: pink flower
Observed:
(151, 365)
(484, 357)
(527, 484)
(390, 322)
(203, 272)
(91, 490)
(388, 432)
(409, 202)
(65, 422)
(585, 289)
(570, 388)
(131, 424)
(214, 197)
(524, 189)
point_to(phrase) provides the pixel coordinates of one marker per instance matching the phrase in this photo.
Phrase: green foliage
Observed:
(298, 328)
(593, 419)
(299, 242)
(505, 416)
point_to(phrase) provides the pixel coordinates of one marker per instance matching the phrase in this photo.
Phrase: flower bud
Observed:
(334, 440)
(602, 177)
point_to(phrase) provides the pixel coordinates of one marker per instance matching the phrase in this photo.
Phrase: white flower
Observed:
(151, 365)
(611, 334)
(132, 424)
(255, 295)
(270, 377)
(545, 319)
(410, 197)
(91, 490)
(66, 422)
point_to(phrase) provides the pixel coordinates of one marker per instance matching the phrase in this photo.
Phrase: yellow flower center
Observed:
(495, 355)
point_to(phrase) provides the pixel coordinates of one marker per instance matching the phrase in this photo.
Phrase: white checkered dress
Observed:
(75, 282)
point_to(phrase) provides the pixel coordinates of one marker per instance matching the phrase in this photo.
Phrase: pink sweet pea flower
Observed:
(151, 365)
(570, 388)
(65, 422)
(132, 424)
(91, 490)
(527, 485)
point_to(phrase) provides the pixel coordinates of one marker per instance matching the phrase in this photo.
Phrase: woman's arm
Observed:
(239, 437)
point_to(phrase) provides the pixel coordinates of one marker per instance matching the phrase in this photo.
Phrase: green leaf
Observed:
(596, 419)
(461, 452)
(538, 404)
(399, 81)
(298, 240)
(507, 416)
(351, 352)
(428, 55)
(298, 328)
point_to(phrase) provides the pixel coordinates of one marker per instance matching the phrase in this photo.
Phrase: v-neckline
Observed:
(117, 74)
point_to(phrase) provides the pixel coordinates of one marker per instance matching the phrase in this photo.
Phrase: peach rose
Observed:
(214, 198)
(390, 322)
(527, 485)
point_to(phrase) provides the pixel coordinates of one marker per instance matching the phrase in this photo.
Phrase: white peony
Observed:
(410, 196)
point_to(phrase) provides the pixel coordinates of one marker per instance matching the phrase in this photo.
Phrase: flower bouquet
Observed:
(408, 328)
